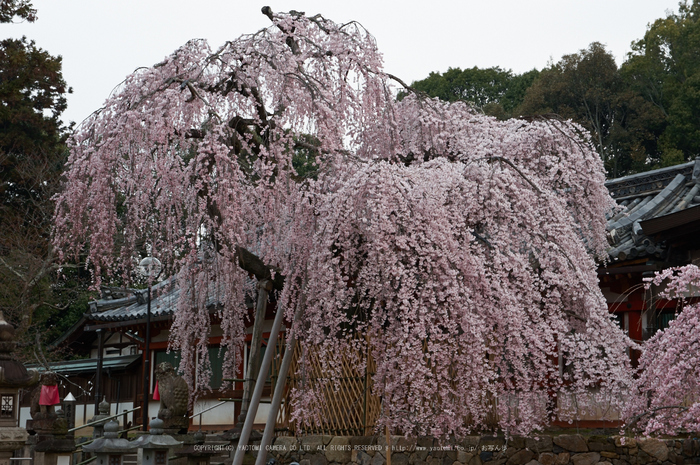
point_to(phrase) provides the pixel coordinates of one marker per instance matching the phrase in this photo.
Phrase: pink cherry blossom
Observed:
(668, 400)
(461, 248)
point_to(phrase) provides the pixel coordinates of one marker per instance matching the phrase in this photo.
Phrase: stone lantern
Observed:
(154, 448)
(100, 420)
(13, 376)
(110, 448)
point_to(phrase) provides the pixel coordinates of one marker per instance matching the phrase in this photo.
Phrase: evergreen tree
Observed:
(32, 155)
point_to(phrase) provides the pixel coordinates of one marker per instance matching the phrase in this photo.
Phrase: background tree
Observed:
(588, 88)
(664, 68)
(494, 91)
(32, 154)
(642, 116)
(23, 9)
(461, 248)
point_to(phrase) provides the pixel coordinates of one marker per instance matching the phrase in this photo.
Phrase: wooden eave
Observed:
(128, 323)
(689, 219)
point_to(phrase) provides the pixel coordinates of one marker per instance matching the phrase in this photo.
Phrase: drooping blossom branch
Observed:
(668, 401)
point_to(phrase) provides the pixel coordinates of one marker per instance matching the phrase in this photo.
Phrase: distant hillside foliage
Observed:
(642, 115)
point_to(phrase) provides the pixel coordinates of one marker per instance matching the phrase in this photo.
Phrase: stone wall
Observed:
(566, 449)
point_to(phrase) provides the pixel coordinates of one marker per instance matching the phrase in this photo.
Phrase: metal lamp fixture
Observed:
(149, 268)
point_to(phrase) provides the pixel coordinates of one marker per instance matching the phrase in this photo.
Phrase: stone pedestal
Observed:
(11, 439)
(55, 447)
(197, 453)
(52, 445)
(52, 458)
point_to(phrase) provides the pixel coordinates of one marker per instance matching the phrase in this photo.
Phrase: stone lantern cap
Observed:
(13, 374)
(110, 443)
(156, 439)
(103, 407)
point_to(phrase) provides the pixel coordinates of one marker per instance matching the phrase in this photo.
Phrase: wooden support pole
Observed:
(98, 373)
(365, 392)
(264, 286)
(279, 388)
(257, 393)
(388, 446)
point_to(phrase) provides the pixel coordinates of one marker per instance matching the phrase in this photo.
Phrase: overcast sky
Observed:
(102, 41)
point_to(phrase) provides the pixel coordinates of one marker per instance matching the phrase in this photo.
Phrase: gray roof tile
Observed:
(645, 196)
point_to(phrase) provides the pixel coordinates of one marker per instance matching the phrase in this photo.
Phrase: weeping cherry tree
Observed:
(461, 248)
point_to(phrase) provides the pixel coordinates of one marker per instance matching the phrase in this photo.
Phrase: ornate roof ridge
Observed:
(651, 182)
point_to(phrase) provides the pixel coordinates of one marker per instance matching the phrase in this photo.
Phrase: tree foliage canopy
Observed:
(642, 115)
(664, 67)
(494, 91)
(460, 246)
(32, 154)
(588, 88)
(9, 9)
(33, 93)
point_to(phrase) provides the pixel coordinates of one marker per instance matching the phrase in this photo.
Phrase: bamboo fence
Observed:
(348, 407)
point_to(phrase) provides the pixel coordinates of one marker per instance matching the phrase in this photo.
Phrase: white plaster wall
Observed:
(221, 415)
(224, 414)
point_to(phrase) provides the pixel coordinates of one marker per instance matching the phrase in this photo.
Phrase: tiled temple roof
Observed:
(134, 305)
(131, 304)
(649, 196)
